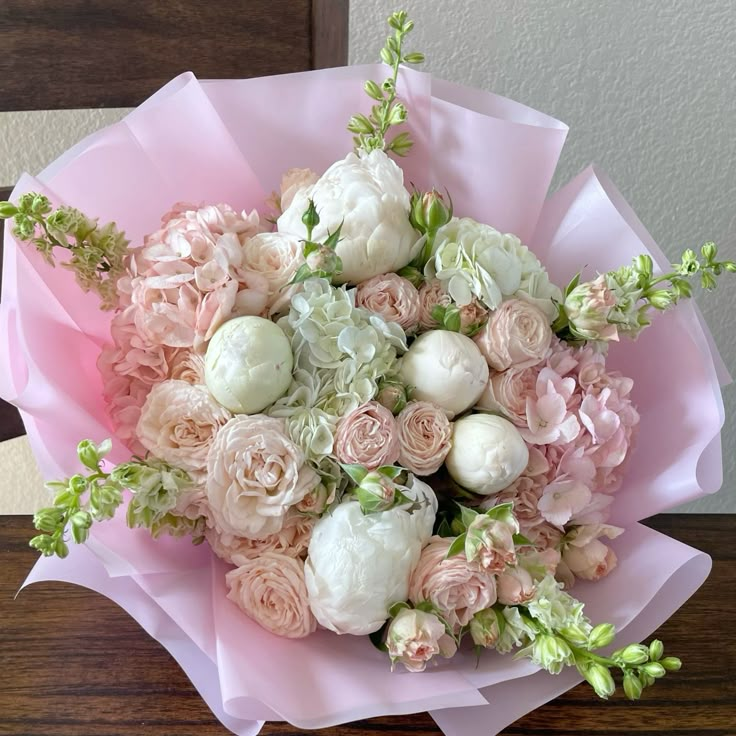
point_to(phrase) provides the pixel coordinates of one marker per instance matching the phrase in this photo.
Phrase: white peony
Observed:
(487, 453)
(248, 364)
(366, 194)
(446, 368)
(360, 564)
(471, 259)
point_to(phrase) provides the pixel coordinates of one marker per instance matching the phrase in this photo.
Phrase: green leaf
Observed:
(334, 238)
(467, 516)
(573, 283)
(390, 471)
(438, 314)
(452, 320)
(356, 473)
(395, 608)
(377, 638)
(457, 547)
(501, 512)
(443, 530)
(521, 541)
(302, 274)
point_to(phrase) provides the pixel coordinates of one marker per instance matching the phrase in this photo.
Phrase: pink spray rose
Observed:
(271, 590)
(590, 562)
(367, 436)
(457, 588)
(515, 586)
(433, 294)
(415, 637)
(490, 543)
(517, 334)
(392, 297)
(424, 433)
(506, 393)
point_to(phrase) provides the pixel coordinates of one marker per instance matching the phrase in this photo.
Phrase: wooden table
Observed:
(85, 668)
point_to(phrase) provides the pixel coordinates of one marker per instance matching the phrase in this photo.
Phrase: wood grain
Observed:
(115, 53)
(87, 669)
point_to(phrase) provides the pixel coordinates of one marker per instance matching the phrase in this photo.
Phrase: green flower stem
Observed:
(370, 130)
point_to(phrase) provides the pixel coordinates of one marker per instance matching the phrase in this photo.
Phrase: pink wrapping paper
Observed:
(230, 141)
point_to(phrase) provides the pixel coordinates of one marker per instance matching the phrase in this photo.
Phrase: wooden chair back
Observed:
(71, 54)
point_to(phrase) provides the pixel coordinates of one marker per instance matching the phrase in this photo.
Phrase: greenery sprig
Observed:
(371, 130)
(81, 500)
(321, 260)
(630, 293)
(98, 253)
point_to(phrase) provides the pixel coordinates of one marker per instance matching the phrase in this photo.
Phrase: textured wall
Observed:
(647, 87)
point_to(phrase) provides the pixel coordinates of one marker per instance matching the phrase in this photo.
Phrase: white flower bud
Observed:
(487, 453)
(446, 368)
(248, 364)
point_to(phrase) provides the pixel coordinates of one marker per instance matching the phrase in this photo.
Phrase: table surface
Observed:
(85, 668)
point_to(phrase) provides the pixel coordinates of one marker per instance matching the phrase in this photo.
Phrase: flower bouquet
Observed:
(358, 430)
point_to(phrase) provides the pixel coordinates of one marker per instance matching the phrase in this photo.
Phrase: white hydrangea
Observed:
(366, 194)
(360, 564)
(471, 259)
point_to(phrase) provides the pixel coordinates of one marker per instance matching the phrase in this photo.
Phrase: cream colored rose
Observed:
(457, 588)
(255, 473)
(291, 540)
(293, 181)
(424, 434)
(188, 366)
(415, 637)
(517, 334)
(392, 297)
(276, 257)
(367, 437)
(270, 589)
(178, 424)
(506, 393)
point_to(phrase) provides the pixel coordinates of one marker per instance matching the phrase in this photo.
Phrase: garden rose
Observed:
(367, 436)
(415, 637)
(517, 334)
(591, 561)
(271, 590)
(391, 296)
(178, 424)
(433, 294)
(506, 393)
(291, 540)
(424, 434)
(457, 588)
(255, 473)
(588, 307)
(515, 586)
(490, 542)
(276, 257)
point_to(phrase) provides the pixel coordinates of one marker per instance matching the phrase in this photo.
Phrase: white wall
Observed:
(648, 88)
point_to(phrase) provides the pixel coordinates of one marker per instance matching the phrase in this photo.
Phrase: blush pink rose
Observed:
(188, 366)
(515, 586)
(424, 433)
(178, 424)
(507, 393)
(415, 637)
(367, 436)
(276, 257)
(291, 540)
(457, 588)
(271, 590)
(591, 561)
(516, 334)
(392, 297)
(255, 474)
(490, 543)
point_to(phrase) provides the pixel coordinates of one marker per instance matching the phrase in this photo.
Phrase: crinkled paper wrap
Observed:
(229, 141)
